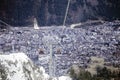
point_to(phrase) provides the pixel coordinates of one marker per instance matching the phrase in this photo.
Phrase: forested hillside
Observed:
(52, 12)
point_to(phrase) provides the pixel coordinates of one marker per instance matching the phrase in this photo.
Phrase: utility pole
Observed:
(51, 62)
(13, 42)
(50, 41)
(13, 46)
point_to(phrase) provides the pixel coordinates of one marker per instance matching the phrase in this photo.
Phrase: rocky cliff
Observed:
(17, 66)
(52, 12)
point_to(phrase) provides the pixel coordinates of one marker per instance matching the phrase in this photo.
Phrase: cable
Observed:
(66, 12)
(5, 23)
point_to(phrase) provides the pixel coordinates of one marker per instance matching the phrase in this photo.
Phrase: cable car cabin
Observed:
(58, 51)
(41, 51)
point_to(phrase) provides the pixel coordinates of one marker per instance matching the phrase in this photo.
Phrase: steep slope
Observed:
(52, 12)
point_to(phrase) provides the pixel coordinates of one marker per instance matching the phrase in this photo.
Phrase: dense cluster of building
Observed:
(73, 46)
